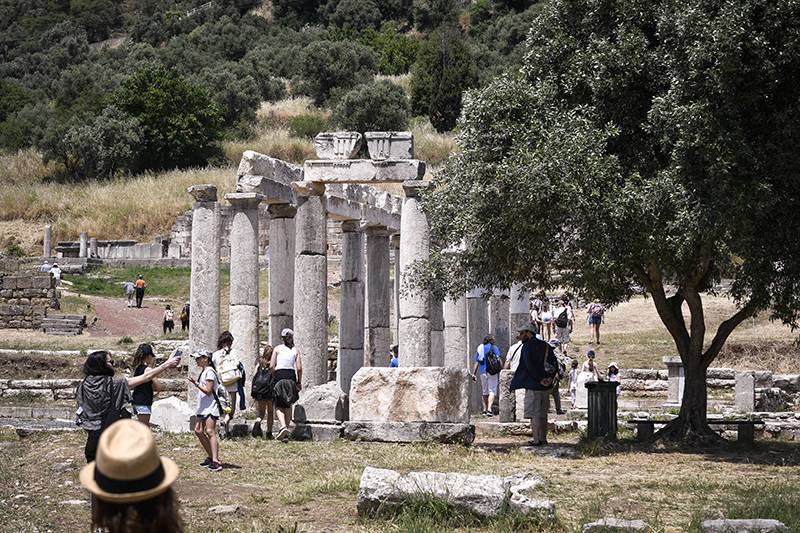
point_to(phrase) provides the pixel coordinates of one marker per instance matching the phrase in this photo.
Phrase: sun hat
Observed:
(590, 354)
(287, 331)
(614, 364)
(527, 327)
(128, 468)
(201, 353)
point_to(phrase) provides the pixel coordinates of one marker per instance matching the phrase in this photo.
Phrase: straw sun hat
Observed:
(128, 468)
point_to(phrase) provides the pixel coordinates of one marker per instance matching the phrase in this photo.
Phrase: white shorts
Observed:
(488, 383)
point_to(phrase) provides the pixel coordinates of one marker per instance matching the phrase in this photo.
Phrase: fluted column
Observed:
(311, 282)
(244, 279)
(281, 253)
(351, 305)
(378, 298)
(455, 333)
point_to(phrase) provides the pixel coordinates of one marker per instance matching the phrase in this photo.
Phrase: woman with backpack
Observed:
(142, 396)
(208, 409)
(230, 371)
(169, 319)
(488, 364)
(262, 392)
(102, 398)
(287, 370)
(594, 312)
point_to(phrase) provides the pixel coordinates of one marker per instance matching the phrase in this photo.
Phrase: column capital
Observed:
(308, 188)
(281, 210)
(376, 230)
(244, 200)
(203, 192)
(351, 226)
(413, 188)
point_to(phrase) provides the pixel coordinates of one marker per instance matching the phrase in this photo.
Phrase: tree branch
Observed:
(698, 323)
(725, 329)
(666, 310)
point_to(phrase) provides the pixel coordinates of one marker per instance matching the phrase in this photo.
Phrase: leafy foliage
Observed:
(395, 52)
(329, 65)
(375, 106)
(307, 125)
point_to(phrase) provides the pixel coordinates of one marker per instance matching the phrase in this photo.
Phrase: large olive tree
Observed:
(644, 142)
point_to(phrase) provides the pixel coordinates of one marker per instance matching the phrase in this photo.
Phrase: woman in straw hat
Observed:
(131, 485)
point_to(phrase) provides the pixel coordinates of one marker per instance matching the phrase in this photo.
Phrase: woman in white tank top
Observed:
(288, 372)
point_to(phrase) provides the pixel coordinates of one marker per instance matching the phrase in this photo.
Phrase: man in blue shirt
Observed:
(393, 361)
(488, 381)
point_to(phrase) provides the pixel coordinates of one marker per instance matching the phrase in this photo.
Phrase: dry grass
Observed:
(24, 167)
(275, 143)
(277, 114)
(314, 485)
(431, 146)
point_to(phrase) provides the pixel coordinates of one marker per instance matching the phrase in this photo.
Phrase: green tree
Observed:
(235, 92)
(179, 122)
(375, 106)
(356, 15)
(329, 65)
(395, 51)
(441, 73)
(655, 142)
(430, 14)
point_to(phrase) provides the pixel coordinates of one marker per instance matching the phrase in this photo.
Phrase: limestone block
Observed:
(363, 171)
(745, 392)
(443, 433)
(390, 144)
(481, 495)
(608, 525)
(203, 193)
(415, 342)
(172, 415)
(311, 225)
(786, 382)
(255, 165)
(507, 400)
(416, 394)
(311, 316)
(322, 404)
(721, 373)
(754, 525)
(317, 432)
(337, 145)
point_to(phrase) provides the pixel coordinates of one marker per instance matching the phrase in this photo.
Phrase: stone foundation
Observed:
(25, 295)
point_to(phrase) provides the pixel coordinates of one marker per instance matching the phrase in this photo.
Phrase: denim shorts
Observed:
(142, 410)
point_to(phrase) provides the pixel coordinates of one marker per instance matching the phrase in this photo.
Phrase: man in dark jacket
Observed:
(537, 380)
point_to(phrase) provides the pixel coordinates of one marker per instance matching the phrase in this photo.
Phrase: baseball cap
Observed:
(201, 353)
(287, 331)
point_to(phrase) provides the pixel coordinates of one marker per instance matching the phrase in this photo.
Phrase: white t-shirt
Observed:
(56, 272)
(206, 404)
(285, 357)
(514, 353)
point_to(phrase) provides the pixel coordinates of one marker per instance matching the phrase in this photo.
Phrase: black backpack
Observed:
(562, 320)
(493, 363)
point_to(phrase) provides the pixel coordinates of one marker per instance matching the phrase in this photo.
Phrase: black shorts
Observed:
(203, 418)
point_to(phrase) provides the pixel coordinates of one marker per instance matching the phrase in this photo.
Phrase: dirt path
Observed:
(115, 319)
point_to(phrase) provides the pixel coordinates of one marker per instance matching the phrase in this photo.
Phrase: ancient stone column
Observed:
(48, 239)
(477, 329)
(281, 254)
(204, 284)
(519, 310)
(415, 326)
(395, 242)
(437, 333)
(498, 319)
(311, 282)
(93, 247)
(244, 279)
(351, 305)
(83, 251)
(378, 298)
(455, 333)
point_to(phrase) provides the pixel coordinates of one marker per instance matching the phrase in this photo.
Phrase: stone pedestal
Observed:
(311, 282)
(415, 327)
(498, 319)
(602, 414)
(351, 305)
(508, 399)
(745, 391)
(519, 310)
(83, 251)
(281, 253)
(377, 338)
(477, 329)
(204, 284)
(244, 279)
(675, 380)
(455, 333)
(48, 240)
(93, 247)
(437, 333)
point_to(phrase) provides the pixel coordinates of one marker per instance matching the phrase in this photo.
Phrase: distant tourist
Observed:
(102, 399)
(563, 319)
(45, 266)
(185, 317)
(485, 354)
(142, 395)
(288, 373)
(129, 288)
(535, 373)
(169, 320)
(545, 321)
(561, 371)
(230, 371)
(613, 375)
(56, 272)
(262, 390)
(590, 365)
(208, 410)
(573, 382)
(394, 362)
(594, 316)
(514, 352)
(140, 286)
(131, 484)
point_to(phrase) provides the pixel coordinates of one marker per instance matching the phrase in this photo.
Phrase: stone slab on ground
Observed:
(607, 525)
(753, 525)
(481, 495)
(322, 403)
(552, 451)
(444, 433)
(317, 432)
(410, 394)
(172, 415)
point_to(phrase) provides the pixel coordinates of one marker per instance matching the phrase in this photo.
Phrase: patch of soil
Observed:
(25, 366)
(114, 318)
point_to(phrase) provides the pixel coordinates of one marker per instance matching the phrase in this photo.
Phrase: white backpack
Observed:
(228, 367)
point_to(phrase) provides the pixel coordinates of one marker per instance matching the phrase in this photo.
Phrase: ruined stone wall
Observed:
(25, 295)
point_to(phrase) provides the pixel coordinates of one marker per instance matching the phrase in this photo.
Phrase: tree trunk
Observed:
(691, 426)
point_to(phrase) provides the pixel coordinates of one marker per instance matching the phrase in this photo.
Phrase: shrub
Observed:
(356, 15)
(329, 65)
(430, 14)
(375, 106)
(236, 93)
(395, 52)
(15, 250)
(307, 125)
